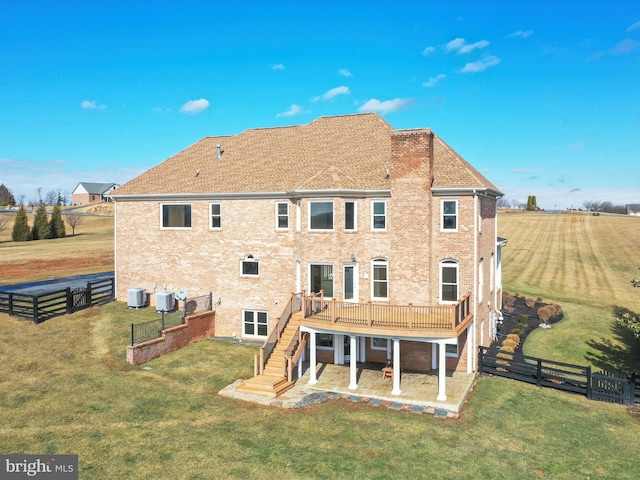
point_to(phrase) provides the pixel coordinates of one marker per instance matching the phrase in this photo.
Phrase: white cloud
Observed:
(195, 106)
(520, 34)
(278, 66)
(625, 46)
(343, 72)
(334, 92)
(460, 46)
(387, 106)
(481, 65)
(433, 80)
(634, 26)
(294, 110)
(428, 51)
(91, 105)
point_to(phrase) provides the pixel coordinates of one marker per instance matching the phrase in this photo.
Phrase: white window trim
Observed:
(278, 216)
(355, 216)
(211, 227)
(374, 262)
(247, 259)
(442, 214)
(162, 227)
(373, 215)
(449, 263)
(452, 354)
(255, 323)
(333, 267)
(323, 347)
(333, 216)
(381, 349)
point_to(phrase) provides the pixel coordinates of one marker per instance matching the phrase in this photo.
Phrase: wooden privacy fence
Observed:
(604, 386)
(61, 302)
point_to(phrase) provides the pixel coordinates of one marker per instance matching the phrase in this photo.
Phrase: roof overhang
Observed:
(489, 192)
(291, 194)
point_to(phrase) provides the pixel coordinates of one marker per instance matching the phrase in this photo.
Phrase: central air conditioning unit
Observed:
(165, 301)
(136, 297)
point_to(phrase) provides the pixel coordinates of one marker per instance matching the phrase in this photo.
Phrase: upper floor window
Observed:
(250, 267)
(380, 283)
(379, 215)
(449, 281)
(176, 215)
(282, 216)
(450, 215)
(321, 215)
(350, 218)
(216, 216)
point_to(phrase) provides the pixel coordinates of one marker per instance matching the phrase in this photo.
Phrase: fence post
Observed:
(89, 294)
(132, 343)
(35, 309)
(69, 297)
(10, 303)
(589, 390)
(480, 363)
(539, 373)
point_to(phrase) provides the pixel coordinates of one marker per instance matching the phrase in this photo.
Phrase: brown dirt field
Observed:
(35, 270)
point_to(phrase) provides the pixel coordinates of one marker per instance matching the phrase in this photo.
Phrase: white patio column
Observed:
(396, 367)
(312, 359)
(442, 372)
(353, 371)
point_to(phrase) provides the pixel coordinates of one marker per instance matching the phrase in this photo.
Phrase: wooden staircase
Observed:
(273, 381)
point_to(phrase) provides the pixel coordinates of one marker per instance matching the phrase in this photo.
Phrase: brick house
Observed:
(359, 216)
(88, 192)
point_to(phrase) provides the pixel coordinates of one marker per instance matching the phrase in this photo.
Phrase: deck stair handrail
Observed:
(294, 351)
(293, 305)
(404, 317)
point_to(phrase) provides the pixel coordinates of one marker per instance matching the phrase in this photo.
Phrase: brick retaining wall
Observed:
(196, 327)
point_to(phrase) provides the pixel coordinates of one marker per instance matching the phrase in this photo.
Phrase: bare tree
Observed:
(51, 198)
(592, 205)
(74, 219)
(503, 202)
(4, 221)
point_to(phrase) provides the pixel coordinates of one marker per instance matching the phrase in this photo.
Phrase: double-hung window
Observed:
(255, 323)
(282, 216)
(320, 215)
(449, 215)
(176, 215)
(250, 267)
(379, 215)
(380, 276)
(216, 216)
(350, 216)
(449, 281)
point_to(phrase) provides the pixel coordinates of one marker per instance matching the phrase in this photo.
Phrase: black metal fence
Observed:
(149, 330)
(61, 302)
(606, 386)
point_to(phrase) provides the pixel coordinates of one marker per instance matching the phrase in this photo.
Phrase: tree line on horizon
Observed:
(588, 205)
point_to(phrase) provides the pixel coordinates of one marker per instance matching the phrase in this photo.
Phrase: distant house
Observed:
(633, 209)
(387, 238)
(87, 192)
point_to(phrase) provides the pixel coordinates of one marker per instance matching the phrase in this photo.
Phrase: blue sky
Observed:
(543, 97)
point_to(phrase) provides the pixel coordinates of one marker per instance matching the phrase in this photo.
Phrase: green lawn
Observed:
(585, 263)
(65, 388)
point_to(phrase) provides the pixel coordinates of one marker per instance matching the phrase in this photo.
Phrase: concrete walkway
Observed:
(419, 391)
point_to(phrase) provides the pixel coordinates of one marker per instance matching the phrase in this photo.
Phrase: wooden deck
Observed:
(440, 321)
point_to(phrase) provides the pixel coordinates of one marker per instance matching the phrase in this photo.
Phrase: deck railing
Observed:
(402, 317)
(261, 358)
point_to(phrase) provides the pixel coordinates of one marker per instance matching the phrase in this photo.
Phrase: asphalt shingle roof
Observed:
(342, 152)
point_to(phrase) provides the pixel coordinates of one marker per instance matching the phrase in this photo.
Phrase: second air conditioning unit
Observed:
(165, 301)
